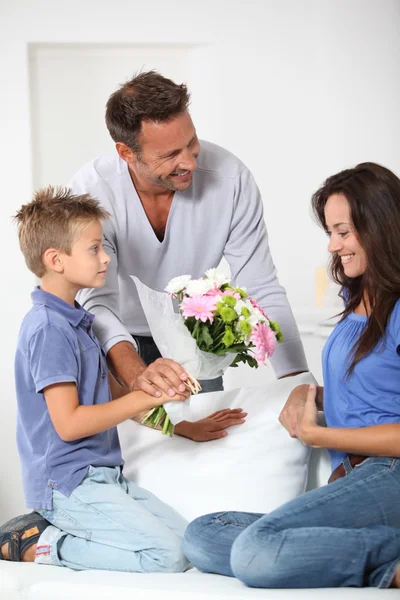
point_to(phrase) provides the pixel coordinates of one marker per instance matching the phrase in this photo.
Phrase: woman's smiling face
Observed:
(343, 238)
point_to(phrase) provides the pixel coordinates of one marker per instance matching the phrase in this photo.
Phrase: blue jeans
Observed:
(149, 352)
(111, 523)
(343, 534)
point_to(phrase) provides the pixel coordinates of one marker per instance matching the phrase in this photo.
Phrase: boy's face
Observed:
(86, 266)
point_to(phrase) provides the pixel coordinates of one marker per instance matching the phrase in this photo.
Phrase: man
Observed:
(177, 206)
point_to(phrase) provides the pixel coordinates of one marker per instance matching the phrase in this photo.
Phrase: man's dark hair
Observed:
(147, 97)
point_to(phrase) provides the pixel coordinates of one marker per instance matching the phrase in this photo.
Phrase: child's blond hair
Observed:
(53, 219)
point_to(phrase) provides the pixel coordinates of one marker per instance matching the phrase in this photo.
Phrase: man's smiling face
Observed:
(168, 153)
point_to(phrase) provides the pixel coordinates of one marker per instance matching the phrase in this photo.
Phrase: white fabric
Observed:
(40, 582)
(256, 467)
(220, 214)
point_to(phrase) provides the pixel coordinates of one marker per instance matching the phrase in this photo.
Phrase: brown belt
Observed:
(339, 472)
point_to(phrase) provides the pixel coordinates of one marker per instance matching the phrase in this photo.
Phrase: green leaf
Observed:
(205, 336)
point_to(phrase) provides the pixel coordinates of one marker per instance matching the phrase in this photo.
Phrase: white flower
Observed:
(176, 284)
(218, 276)
(256, 317)
(252, 319)
(238, 306)
(198, 287)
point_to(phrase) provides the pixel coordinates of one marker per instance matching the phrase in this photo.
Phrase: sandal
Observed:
(32, 525)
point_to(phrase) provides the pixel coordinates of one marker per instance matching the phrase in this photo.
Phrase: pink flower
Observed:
(264, 339)
(199, 307)
(231, 293)
(256, 305)
(215, 291)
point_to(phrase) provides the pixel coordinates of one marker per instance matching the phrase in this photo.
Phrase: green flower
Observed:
(276, 329)
(228, 338)
(228, 314)
(230, 301)
(245, 327)
(274, 325)
(241, 292)
(246, 313)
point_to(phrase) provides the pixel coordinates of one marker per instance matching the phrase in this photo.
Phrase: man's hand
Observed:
(163, 376)
(307, 418)
(212, 427)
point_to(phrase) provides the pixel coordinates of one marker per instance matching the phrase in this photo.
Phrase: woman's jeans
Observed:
(343, 534)
(111, 523)
(149, 352)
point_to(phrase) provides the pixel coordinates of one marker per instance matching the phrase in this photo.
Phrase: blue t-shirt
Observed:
(371, 395)
(55, 345)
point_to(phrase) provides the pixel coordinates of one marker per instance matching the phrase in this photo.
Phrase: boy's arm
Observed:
(74, 421)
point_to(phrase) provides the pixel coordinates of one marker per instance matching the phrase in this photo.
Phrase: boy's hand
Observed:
(212, 427)
(163, 377)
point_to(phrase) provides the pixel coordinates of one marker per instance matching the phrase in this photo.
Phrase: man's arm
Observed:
(248, 254)
(164, 376)
(104, 302)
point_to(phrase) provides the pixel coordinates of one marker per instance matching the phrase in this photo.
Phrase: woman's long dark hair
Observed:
(373, 194)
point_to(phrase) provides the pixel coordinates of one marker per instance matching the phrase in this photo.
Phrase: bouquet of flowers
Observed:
(218, 325)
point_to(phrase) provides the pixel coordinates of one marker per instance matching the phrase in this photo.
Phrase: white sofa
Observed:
(256, 467)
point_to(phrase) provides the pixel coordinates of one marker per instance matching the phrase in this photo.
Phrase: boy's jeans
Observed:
(346, 533)
(111, 523)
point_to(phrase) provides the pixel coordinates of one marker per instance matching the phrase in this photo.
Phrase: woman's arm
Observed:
(375, 440)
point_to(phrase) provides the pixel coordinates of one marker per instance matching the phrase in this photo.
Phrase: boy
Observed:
(88, 516)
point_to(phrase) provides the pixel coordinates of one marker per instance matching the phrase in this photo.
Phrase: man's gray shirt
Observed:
(219, 215)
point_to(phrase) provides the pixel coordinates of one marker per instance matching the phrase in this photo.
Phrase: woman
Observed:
(346, 533)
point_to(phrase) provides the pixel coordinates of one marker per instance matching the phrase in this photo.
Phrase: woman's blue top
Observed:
(371, 395)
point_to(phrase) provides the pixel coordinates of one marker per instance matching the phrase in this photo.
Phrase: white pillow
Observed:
(255, 468)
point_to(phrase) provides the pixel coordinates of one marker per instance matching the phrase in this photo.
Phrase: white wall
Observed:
(297, 88)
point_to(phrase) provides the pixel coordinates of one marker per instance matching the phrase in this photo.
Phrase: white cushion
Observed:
(255, 468)
(40, 582)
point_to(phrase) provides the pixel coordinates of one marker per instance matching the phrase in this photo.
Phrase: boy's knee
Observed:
(173, 559)
(167, 556)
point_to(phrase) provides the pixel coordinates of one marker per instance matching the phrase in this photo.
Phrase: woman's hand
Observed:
(295, 402)
(307, 418)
